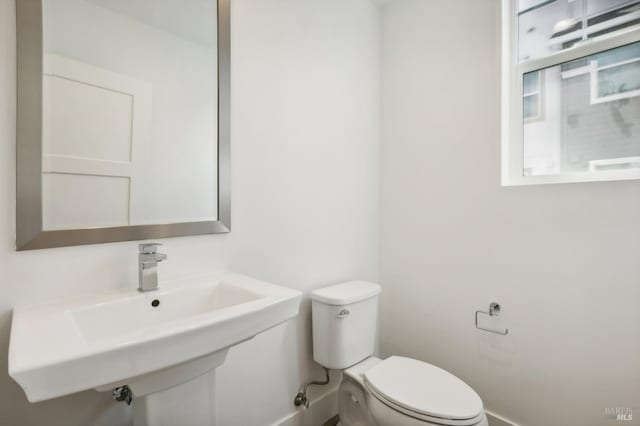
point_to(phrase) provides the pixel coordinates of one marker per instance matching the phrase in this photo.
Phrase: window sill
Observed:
(603, 176)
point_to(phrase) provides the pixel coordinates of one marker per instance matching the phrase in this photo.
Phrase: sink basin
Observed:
(154, 340)
(99, 321)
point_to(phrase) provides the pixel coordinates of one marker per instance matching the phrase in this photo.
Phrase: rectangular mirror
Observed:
(123, 120)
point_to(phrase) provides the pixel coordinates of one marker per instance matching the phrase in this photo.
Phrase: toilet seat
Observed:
(424, 391)
(421, 419)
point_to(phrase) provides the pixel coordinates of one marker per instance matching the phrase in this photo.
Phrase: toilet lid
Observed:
(423, 388)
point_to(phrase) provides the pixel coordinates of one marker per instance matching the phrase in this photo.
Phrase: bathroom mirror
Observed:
(123, 120)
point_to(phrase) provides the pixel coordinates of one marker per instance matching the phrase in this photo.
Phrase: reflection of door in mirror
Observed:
(129, 112)
(91, 184)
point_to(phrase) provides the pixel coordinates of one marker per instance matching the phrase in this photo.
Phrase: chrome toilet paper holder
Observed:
(494, 310)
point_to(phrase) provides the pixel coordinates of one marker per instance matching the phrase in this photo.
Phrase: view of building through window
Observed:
(581, 115)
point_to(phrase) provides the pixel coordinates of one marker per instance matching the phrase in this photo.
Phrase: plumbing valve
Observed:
(301, 399)
(122, 394)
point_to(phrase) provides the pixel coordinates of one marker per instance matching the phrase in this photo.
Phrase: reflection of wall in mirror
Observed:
(174, 178)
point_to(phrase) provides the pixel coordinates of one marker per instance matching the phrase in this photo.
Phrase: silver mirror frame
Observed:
(29, 224)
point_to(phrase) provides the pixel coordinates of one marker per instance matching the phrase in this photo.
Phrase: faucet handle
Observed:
(148, 248)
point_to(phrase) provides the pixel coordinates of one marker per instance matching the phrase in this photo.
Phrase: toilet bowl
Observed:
(397, 391)
(401, 391)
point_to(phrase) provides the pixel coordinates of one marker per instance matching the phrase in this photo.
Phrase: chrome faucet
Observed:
(148, 259)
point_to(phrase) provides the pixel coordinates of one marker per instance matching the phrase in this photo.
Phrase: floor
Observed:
(333, 421)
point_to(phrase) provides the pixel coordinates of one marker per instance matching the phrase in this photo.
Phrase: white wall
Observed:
(563, 260)
(305, 113)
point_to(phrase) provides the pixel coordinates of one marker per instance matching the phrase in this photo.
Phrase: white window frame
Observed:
(512, 94)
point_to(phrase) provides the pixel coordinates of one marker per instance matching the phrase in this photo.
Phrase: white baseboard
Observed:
(321, 409)
(496, 420)
(325, 406)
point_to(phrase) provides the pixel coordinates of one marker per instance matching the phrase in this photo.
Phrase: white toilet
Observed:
(397, 391)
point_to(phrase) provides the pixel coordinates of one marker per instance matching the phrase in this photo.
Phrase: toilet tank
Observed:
(344, 323)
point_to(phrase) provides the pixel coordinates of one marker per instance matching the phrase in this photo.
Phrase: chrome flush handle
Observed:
(343, 313)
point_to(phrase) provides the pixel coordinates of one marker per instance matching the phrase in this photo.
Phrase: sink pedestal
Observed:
(179, 395)
(190, 403)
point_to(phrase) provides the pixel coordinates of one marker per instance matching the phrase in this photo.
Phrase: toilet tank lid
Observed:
(346, 293)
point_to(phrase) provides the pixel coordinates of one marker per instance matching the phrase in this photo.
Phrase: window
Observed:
(617, 79)
(571, 90)
(532, 96)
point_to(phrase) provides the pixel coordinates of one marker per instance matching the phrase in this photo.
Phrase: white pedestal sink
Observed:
(160, 344)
